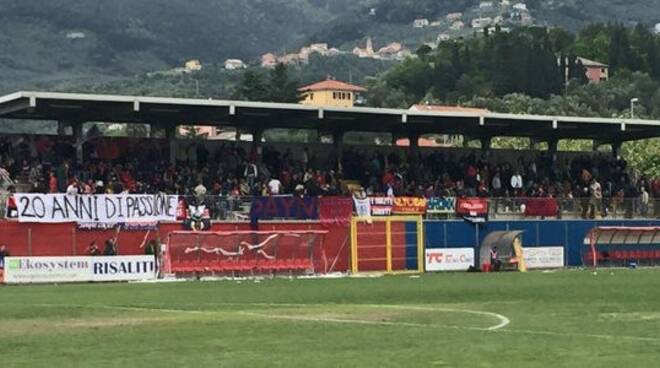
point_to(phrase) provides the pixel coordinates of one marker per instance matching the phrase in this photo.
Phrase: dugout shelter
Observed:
(509, 245)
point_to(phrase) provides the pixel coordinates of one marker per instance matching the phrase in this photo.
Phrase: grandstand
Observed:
(223, 180)
(86, 208)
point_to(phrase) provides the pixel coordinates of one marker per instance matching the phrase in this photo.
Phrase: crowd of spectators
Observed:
(142, 166)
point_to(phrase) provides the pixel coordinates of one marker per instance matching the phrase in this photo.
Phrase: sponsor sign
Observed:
(473, 207)
(285, 207)
(26, 270)
(381, 206)
(544, 257)
(441, 205)
(449, 259)
(409, 206)
(362, 207)
(120, 208)
(124, 226)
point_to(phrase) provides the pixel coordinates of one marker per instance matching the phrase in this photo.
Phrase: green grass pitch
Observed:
(560, 319)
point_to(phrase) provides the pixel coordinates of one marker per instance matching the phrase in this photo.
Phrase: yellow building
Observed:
(193, 65)
(330, 93)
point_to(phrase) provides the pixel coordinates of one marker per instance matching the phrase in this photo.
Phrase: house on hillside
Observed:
(330, 93)
(367, 52)
(520, 6)
(480, 23)
(596, 71)
(457, 26)
(75, 35)
(394, 50)
(442, 37)
(193, 66)
(321, 48)
(453, 17)
(421, 23)
(268, 60)
(234, 64)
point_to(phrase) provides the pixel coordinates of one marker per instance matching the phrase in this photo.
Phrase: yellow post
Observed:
(354, 247)
(388, 244)
(421, 257)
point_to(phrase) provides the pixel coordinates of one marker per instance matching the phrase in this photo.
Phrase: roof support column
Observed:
(414, 145)
(79, 139)
(170, 134)
(257, 135)
(552, 145)
(533, 144)
(485, 143)
(61, 127)
(338, 143)
(616, 149)
(466, 141)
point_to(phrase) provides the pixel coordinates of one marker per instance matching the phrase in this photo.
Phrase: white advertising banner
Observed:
(544, 257)
(120, 208)
(27, 270)
(449, 259)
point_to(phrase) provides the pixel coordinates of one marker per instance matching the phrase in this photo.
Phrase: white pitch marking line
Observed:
(362, 322)
(504, 321)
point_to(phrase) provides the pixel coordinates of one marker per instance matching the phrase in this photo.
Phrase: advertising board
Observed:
(449, 259)
(544, 257)
(27, 270)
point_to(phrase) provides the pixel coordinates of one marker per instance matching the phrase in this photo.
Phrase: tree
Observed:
(253, 86)
(280, 87)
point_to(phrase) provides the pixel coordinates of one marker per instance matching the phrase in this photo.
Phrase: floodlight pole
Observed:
(633, 101)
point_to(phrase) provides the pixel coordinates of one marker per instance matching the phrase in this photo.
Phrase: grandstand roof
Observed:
(73, 107)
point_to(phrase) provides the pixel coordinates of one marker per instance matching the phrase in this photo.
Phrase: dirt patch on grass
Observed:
(43, 326)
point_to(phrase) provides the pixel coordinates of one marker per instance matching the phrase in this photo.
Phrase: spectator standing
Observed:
(111, 245)
(517, 183)
(93, 249)
(3, 253)
(644, 202)
(596, 198)
(72, 189)
(274, 186)
(200, 189)
(11, 209)
(497, 184)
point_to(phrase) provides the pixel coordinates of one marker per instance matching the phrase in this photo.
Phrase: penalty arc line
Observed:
(362, 322)
(411, 324)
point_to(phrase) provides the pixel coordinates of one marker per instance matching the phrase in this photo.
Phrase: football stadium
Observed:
(246, 249)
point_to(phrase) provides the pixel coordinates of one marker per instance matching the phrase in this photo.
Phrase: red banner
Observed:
(473, 207)
(544, 207)
(409, 206)
(335, 210)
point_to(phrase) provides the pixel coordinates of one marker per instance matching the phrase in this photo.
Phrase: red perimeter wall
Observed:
(24, 239)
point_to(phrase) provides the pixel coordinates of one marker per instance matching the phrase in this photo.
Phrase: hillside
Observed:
(49, 43)
(68, 44)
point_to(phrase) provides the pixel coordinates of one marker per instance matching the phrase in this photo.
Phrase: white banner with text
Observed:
(28, 270)
(544, 257)
(449, 259)
(119, 208)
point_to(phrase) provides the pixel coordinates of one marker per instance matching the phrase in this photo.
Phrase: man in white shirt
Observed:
(72, 189)
(596, 197)
(274, 186)
(516, 181)
(200, 190)
(497, 184)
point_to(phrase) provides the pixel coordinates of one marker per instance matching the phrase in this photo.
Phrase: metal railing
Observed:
(230, 208)
(580, 208)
